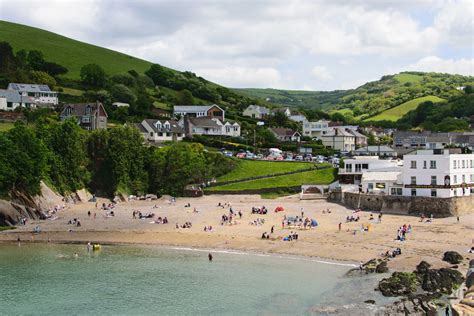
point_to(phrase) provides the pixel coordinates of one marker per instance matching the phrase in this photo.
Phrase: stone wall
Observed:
(294, 189)
(439, 207)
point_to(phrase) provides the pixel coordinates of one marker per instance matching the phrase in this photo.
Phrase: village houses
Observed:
(256, 112)
(285, 134)
(89, 116)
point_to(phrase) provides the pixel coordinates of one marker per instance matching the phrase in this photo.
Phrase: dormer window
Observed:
(68, 111)
(167, 125)
(88, 110)
(158, 124)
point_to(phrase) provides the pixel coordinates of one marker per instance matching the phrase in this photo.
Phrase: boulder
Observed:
(381, 267)
(423, 267)
(417, 305)
(452, 257)
(399, 284)
(471, 263)
(470, 280)
(83, 195)
(441, 281)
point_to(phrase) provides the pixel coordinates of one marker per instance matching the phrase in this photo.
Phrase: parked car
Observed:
(240, 155)
(250, 156)
(259, 156)
(299, 158)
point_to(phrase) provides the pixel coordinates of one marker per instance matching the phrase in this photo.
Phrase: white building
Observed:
(297, 117)
(10, 100)
(256, 111)
(438, 173)
(199, 111)
(209, 126)
(315, 129)
(121, 104)
(161, 130)
(41, 93)
(354, 168)
(382, 182)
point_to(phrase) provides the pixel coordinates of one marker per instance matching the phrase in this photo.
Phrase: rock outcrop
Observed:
(452, 257)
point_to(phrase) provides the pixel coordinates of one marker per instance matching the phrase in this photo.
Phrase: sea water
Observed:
(49, 279)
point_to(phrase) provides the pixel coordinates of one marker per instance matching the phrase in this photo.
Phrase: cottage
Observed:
(161, 130)
(297, 117)
(338, 139)
(41, 93)
(89, 116)
(256, 111)
(285, 111)
(285, 134)
(199, 111)
(10, 100)
(209, 126)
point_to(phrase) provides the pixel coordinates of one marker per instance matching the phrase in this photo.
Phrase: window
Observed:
(365, 166)
(424, 164)
(380, 185)
(151, 133)
(433, 193)
(348, 167)
(463, 164)
(396, 191)
(413, 192)
(432, 164)
(358, 167)
(413, 164)
(455, 180)
(433, 180)
(463, 178)
(370, 186)
(454, 164)
(413, 180)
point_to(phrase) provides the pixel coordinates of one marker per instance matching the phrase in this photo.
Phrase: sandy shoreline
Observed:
(428, 241)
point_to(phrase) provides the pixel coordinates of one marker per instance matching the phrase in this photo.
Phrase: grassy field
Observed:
(324, 176)
(67, 52)
(254, 168)
(6, 228)
(74, 92)
(395, 113)
(404, 78)
(5, 126)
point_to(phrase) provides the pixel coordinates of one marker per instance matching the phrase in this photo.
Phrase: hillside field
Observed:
(406, 77)
(67, 52)
(324, 176)
(395, 113)
(255, 168)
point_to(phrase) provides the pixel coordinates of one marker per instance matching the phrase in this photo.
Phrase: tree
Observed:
(54, 69)
(185, 97)
(35, 60)
(41, 77)
(122, 93)
(93, 75)
(29, 160)
(7, 58)
(7, 173)
(159, 74)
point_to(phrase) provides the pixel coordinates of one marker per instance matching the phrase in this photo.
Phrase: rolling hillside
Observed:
(371, 98)
(395, 113)
(68, 52)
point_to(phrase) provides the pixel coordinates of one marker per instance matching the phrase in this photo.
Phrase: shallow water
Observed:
(40, 279)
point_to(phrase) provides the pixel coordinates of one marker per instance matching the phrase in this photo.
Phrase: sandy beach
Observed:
(427, 241)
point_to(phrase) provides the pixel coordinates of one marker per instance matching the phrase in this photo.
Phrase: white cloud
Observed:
(455, 22)
(463, 66)
(241, 77)
(321, 73)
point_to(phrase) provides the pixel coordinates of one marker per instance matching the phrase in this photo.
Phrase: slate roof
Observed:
(15, 97)
(174, 127)
(79, 109)
(372, 149)
(26, 87)
(283, 132)
(203, 122)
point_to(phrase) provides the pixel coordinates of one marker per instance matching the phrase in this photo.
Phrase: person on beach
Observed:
(89, 214)
(380, 217)
(340, 226)
(271, 230)
(19, 241)
(209, 256)
(89, 247)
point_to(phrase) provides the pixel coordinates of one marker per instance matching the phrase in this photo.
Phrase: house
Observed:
(360, 139)
(381, 182)
(338, 139)
(199, 111)
(161, 112)
(209, 126)
(161, 130)
(438, 173)
(121, 104)
(297, 117)
(89, 116)
(315, 129)
(285, 134)
(381, 151)
(41, 93)
(285, 111)
(256, 111)
(10, 100)
(354, 168)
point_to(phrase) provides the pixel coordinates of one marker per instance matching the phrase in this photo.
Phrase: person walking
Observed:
(340, 226)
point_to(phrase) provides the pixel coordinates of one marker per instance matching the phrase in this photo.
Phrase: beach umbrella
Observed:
(279, 209)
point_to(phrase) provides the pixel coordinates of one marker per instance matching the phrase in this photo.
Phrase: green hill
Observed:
(395, 113)
(68, 52)
(371, 98)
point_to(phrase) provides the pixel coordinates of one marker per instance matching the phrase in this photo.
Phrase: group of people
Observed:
(140, 215)
(402, 231)
(257, 222)
(298, 221)
(185, 225)
(161, 220)
(75, 221)
(108, 207)
(207, 228)
(259, 210)
(392, 253)
(291, 236)
(425, 219)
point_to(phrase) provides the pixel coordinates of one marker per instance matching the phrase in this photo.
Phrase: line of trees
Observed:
(104, 161)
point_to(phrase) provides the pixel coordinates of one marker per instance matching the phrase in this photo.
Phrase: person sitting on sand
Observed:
(371, 217)
(264, 235)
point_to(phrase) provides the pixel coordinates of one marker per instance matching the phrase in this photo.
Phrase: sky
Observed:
(290, 44)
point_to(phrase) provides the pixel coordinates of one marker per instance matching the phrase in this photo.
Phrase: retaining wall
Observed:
(408, 205)
(295, 189)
